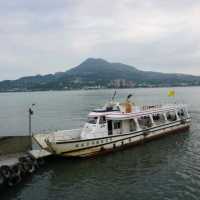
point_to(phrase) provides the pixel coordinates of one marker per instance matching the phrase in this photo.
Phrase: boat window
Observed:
(158, 118)
(92, 120)
(145, 122)
(110, 131)
(116, 124)
(181, 113)
(171, 116)
(109, 108)
(132, 125)
(102, 120)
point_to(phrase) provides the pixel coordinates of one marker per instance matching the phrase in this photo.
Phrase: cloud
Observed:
(48, 36)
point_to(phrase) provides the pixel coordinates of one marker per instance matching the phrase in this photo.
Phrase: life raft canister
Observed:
(128, 107)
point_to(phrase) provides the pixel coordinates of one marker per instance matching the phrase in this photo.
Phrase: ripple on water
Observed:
(168, 168)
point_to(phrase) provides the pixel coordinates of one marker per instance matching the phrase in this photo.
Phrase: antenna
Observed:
(113, 97)
(129, 96)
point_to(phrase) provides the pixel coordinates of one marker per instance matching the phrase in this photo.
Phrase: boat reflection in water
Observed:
(116, 125)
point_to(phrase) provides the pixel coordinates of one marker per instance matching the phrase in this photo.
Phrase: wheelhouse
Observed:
(117, 126)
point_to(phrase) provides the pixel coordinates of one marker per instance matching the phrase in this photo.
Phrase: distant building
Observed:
(122, 83)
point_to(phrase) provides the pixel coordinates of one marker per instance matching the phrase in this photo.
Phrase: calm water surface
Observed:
(168, 168)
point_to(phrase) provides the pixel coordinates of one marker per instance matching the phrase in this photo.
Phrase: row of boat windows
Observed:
(146, 122)
(89, 143)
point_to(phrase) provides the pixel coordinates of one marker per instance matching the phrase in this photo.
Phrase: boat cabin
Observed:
(124, 120)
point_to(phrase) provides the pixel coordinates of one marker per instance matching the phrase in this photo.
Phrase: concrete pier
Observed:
(14, 144)
(17, 160)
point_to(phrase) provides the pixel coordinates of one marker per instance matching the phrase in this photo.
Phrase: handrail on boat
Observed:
(148, 107)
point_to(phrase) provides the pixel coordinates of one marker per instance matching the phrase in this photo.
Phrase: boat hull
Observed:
(92, 147)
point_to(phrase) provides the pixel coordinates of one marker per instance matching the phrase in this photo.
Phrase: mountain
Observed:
(98, 73)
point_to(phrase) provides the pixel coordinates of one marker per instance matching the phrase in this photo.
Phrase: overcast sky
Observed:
(46, 36)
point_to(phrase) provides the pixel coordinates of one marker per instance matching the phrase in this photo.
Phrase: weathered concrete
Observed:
(39, 153)
(10, 159)
(14, 144)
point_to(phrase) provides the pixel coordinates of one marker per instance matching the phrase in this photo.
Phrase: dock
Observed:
(14, 167)
(37, 154)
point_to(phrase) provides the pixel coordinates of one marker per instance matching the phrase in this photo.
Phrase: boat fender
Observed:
(15, 177)
(31, 165)
(13, 180)
(34, 161)
(31, 168)
(23, 163)
(28, 164)
(5, 171)
(10, 182)
(16, 170)
(40, 161)
(25, 166)
(2, 179)
(22, 169)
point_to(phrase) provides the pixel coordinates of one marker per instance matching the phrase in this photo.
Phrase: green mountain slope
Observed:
(98, 72)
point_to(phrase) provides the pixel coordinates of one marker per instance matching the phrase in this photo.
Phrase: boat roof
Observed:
(97, 114)
(103, 111)
(139, 113)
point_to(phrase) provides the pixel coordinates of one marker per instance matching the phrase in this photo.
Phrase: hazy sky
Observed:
(46, 36)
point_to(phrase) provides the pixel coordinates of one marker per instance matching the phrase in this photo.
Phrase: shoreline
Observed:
(93, 89)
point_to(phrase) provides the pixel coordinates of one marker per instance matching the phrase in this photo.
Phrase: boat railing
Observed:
(159, 106)
(150, 107)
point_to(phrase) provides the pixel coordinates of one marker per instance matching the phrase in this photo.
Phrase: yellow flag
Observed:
(171, 93)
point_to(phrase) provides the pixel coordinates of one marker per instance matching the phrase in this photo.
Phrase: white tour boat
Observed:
(115, 126)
